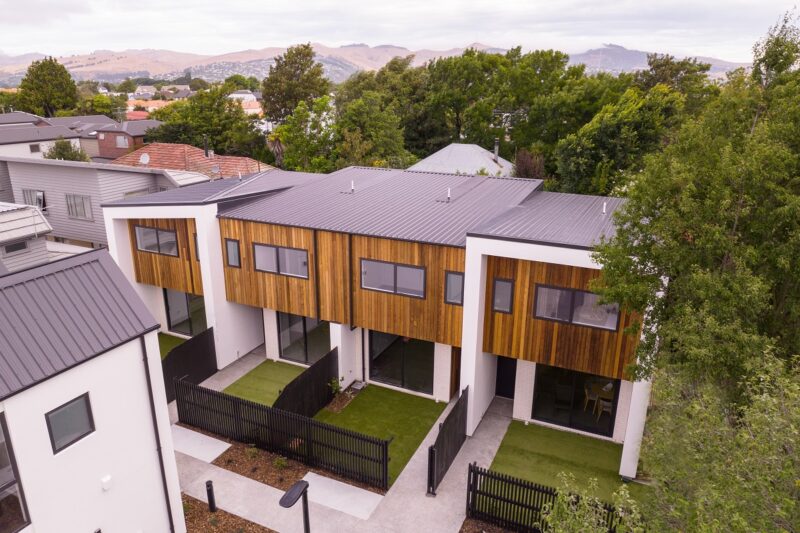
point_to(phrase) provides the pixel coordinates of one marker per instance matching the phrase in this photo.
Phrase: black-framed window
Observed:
(280, 260)
(79, 206)
(503, 295)
(13, 509)
(382, 276)
(15, 248)
(186, 313)
(574, 306)
(69, 423)
(233, 259)
(401, 361)
(156, 240)
(454, 288)
(302, 339)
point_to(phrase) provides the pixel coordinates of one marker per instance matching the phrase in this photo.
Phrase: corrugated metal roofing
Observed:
(61, 314)
(396, 204)
(134, 128)
(19, 117)
(569, 220)
(13, 135)
(18, 221)
(464, 159)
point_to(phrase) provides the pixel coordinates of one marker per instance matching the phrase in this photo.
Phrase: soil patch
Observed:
(342, 400)
(471, 525)
(199, 520)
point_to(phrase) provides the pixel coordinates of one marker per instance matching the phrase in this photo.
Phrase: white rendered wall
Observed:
(272, 341)
(442, 360)
(24, 149)
(63, 492)
(623, 408)
(640, 400)
(523, 390)
(349, 343)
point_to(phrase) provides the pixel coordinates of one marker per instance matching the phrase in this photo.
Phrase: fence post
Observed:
(385, 446)
(431, 470)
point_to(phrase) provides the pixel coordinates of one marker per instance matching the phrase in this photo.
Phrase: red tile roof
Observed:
(137, 115)
(186, 157)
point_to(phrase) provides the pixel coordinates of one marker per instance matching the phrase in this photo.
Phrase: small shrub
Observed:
(280, 463)
(335, 385)
(252, 452)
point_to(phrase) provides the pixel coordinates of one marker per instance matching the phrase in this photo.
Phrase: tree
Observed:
(238, 82)
(778, 52)
(102, 104)
(197, 84)
(127, 86)
(305, 142)
(529, 165)
(47, 88)
(64, 149)
(295, 77)
(687, 76)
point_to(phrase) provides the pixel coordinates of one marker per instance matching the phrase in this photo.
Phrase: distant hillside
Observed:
(339, 62)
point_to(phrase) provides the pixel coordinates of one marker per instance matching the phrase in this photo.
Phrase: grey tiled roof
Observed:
(134, 128)
(396, 204)
(61, 314)
(560, 219)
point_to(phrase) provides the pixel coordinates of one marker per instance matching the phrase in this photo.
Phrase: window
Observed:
(303, 340)
(15, 248)
(34, 197)
(281, 260)
(401, 361)
(101, 136)
(158, 241)
(70, 423)
(503, 295)
(12, 500)
(122, 141)
(407, 280)
(576, 307)
(232, 252)
(454, 288)
(79, 206)
(186, 313)
(34, 148)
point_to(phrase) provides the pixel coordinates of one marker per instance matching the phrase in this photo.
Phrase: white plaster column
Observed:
(442, 360)
(523, 389)
(623, 409)
(637, 414)
(349, 343)
(272, 341)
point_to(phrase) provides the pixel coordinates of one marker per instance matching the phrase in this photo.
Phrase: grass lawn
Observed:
(168, 342)
(264, 383)
(389, 414)
(538, 454)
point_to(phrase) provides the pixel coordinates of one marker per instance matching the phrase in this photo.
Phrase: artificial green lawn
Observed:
(538, 454)
(388, 414)
(168, 342)
(264, 383)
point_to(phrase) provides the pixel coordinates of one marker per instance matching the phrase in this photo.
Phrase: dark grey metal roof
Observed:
(19, 117)
(559, 219)
(134, 128)
(61, 314)
(223, 190)
(14, 134)
(395, 204)
(78, 121)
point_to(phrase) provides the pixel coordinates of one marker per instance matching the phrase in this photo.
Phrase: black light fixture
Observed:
(292, 495)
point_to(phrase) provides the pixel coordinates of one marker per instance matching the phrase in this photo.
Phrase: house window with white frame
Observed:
(79, 206)
(122, 141)
(36, 198)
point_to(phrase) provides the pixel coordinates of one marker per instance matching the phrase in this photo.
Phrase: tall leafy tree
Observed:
(47, 88)
(305, 141)
(64, 150)
(295, 77)
(687, 76)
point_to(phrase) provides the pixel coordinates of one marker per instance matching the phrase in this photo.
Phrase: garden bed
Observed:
(471, 525)
(199, 520)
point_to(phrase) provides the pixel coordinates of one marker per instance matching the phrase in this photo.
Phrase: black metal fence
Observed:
(347, 453)
(452, 434)
(194, 361)
(311, 391)
(513, 503)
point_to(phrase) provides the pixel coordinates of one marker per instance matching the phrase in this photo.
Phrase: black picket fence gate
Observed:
(194, 361)
(347, 453)
(513, 503)
(311, 391)
(452, 434)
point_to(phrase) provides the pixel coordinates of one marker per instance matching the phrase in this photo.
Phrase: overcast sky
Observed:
(725, 29)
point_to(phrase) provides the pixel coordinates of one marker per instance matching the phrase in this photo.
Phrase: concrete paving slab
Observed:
(197, 445)
(349, 499)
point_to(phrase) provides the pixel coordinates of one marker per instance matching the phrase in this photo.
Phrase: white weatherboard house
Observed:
(85, 442)
(23, 231)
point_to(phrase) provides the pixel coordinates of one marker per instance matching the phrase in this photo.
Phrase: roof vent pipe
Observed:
(352, 186)
(240, 176)
(448, 195)
(496, 149)
(604, 208)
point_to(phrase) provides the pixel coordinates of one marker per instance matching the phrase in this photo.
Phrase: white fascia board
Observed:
(160, 211)
(533, 252)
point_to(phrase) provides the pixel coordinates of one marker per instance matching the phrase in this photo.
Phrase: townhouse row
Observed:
(425, 282)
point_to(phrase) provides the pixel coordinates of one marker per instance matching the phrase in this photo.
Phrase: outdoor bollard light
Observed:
(292, 495)
(212, 502)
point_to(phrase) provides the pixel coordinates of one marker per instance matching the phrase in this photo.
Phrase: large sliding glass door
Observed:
(186, 313)
(302, 339)
(575, 400)
(401, 361)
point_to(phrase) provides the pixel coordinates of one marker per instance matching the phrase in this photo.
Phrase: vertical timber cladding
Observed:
(333, 254)
(520, 335)
(180, 273)
(428, 319)
(265, 289)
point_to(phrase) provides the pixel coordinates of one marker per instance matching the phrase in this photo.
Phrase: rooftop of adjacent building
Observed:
(186, 157)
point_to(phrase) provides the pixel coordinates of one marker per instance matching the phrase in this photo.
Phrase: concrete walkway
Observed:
(197, 445)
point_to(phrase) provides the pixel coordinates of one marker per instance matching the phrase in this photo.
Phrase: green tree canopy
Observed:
(686, 76)
(295, 77)
(238, 82)
(64, 150)
(47, 88)
(127, 86)
(305, 142)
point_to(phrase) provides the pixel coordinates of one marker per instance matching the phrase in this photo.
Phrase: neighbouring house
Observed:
(465, 159)
(116, 140)
(176, 94)
(186, 157)
(85, 442)
(21, 118)
(34, 141)
(243, 95)
(136, 115)
(145, 92)
(251, 107)
(70, 193)
(23, 231)
(147, 104)
(426, 282)
(87, 127)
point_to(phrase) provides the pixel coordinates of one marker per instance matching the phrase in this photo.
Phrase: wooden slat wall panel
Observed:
(427, 319)
(263, 289)
(180, 273)
(333, 252)
(520, 335)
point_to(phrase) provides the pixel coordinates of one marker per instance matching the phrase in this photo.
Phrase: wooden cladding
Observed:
(427, 318)
(181, 273)
(520, 335)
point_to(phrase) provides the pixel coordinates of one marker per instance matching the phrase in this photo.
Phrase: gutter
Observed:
(158, 436)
